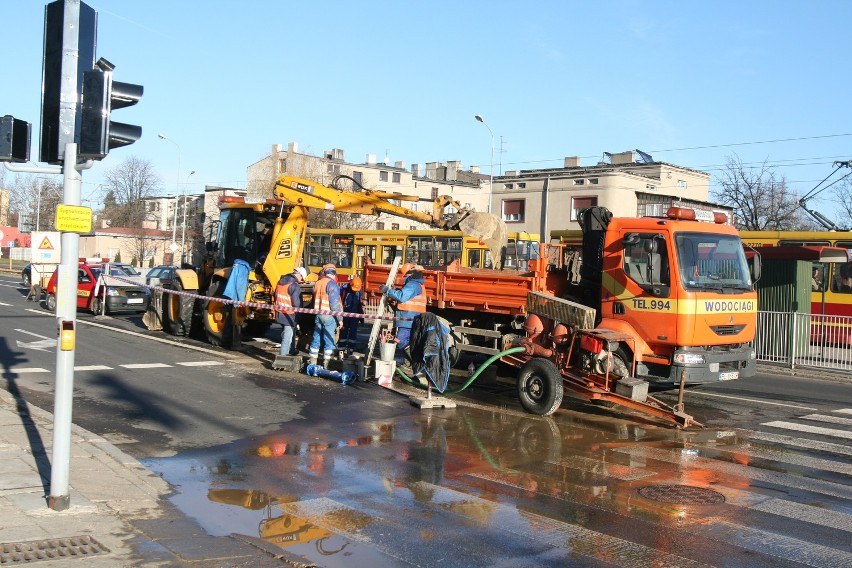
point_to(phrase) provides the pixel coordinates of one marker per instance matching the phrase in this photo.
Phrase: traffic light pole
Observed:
(66, 317)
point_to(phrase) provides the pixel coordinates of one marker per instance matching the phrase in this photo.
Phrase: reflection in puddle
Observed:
(355, 493)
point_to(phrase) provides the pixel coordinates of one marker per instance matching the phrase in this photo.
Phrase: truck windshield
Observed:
(708, 262)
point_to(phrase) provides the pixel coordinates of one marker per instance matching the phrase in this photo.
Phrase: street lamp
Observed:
(173, 246)
(479, 118)
(183, 228)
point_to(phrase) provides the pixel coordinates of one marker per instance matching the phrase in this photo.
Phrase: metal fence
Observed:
(804, 340)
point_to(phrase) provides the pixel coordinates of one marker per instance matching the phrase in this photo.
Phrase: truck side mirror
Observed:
(756, 268)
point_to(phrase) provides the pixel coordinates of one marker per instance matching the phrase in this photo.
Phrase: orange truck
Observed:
(673, 296)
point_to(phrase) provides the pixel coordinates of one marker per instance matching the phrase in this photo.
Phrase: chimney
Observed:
(371, 159)
(432, 170)
(399, 165)
(623, 158)
(571, 162)
(474, 169)
(415, 170)
(292, 148)
(453, 167)
(276, 148)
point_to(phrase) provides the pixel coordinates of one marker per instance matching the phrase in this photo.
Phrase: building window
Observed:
(681, 183)
(358, 177)
(513, 210)
(434, 193)
(509, 186)
(580, 203)
(380, 226)
(579, 182)
(651, 187)
(396, 177)
(333, 168)
(383, 176)
(522, 185)
(593, 181)
(412, 228)
(394, 226)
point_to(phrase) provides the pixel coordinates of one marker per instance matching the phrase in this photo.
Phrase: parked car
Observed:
(26, 275)
(120, 297)
(159, 273)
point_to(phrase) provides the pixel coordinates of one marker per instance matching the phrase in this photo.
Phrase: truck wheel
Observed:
(177, 312)
(540, 387)
(218, 319)
(50, 302)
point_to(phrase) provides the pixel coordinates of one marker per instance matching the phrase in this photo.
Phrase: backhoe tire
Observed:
(177, 311)
(540, 387)
(218, 319)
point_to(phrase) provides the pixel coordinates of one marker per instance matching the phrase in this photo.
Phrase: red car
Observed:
(120, 296)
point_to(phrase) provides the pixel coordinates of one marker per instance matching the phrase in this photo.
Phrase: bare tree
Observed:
(130, 183)
(843, 194)
(761, 200)
(36, 197)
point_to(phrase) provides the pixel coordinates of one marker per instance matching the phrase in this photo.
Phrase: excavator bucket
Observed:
(488, 228)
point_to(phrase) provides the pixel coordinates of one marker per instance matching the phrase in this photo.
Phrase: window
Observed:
(522, 186)
(651, 187)
(593, 181)
(841, 281)
(579, 182)
(383, 176)
(394, 226)
(646, 261)
(335, 249)
(396, 177)
(380, 226)
(509, 186)
(681, 183)
(434, 193)
(513, 210)
(358, 177)
(333, 168)
(580, 203)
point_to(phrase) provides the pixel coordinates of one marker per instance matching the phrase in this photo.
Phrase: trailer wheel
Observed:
(50, 302)
(540, 387)
(97, 306)
(177, 311)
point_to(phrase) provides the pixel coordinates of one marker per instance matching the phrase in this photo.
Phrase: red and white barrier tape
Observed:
(256, 305)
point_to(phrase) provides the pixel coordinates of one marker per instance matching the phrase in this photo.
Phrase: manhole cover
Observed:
(51, 549)
(681, 494)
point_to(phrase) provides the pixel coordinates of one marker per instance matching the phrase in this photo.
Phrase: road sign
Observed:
(73, 218)
(46, 247)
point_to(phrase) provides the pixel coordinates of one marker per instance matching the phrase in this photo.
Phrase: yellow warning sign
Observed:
(45, 244)
(73, 218)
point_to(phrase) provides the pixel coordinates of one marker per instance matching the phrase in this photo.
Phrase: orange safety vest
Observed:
(283, 298)
(414, 304)
(321, 301)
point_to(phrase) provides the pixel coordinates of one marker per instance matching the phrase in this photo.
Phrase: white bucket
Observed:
(387, 351)
(384, 371)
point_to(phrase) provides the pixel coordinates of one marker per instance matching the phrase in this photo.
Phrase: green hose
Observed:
(472, 378)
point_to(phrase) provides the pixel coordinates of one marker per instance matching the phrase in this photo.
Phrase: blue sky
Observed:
(688, 82)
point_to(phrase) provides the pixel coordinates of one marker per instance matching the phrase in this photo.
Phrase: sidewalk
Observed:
(118, 515)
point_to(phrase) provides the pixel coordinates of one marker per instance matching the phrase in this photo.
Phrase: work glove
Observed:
(383, 288)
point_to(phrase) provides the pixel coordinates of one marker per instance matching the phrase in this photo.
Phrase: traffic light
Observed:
(70, 35)
(14, 139)
(102, 95)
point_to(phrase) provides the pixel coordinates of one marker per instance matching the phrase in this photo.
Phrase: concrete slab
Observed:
(433, 402)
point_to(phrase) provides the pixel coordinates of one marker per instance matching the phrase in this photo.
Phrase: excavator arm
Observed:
(313, 195)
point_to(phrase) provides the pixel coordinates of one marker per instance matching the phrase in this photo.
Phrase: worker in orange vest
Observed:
(410, 302)
(326, 297)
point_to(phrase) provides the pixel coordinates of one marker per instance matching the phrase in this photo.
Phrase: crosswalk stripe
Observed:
(817, 445)
(200, 363)
(843, 410)
(809, 429)
(533, 527)
(806, 513)
(780, 546)
(92, 368)
(782, 455)
(828, 419)
(145, 366)
(599, 467)
(677, 457)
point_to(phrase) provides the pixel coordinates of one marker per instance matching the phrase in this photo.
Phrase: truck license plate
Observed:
(139, 301)
(729, 376)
